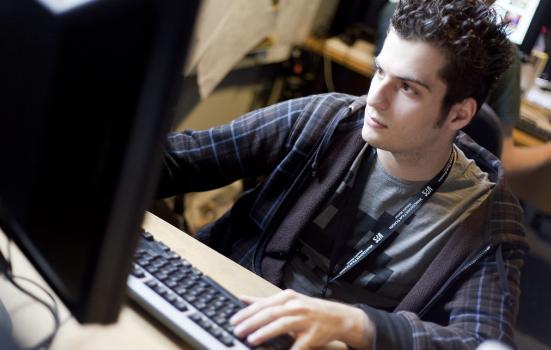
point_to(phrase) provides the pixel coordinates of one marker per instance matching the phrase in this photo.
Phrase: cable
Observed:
(54, 302)
(328, 74)
(53, 308)
(46, 342)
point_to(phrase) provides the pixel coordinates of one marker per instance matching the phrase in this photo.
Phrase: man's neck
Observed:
(414, 166)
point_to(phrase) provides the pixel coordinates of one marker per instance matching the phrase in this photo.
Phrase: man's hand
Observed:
(312, 322)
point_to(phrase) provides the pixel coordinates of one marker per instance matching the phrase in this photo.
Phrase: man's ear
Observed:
(462, 113)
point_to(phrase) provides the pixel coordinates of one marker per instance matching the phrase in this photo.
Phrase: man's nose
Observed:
(377, 97)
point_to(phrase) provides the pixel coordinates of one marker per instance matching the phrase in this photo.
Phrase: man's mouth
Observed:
(376, 123)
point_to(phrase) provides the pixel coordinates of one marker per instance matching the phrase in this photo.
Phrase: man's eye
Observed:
(407, 88)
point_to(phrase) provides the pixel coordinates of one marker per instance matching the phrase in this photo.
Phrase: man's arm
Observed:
(480, 307)
(519, 160)
(483, 306)
(505, 101)
(247, 147)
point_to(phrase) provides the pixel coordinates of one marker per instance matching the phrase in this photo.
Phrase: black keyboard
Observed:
(190, 303)
(531, 127)
(536, 123)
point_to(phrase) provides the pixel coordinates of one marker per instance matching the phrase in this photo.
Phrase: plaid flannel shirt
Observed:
(468, 294)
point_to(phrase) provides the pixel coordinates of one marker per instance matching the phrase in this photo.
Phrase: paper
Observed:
(294, 20)
(227, 30)
(235, 27)
(211, 20)
(539, 97)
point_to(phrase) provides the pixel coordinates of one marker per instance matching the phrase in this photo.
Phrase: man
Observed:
(504, 99)
(376, 202)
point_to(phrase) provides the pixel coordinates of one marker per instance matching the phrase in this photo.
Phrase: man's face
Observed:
(405, 98)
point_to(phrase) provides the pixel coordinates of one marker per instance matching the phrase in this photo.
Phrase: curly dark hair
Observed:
(472, 37)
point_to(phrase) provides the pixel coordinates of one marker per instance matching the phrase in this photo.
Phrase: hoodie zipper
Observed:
(268, 232)
(311, 165)
(453, 278)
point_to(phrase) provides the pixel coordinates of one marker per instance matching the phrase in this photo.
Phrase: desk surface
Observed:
(135, 329)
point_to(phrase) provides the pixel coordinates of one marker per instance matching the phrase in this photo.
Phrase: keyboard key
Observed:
(172, 256)
(170, 297)
(199, 305)
(147, 236)
(181, 290)
(210, 313)
(168, 269)
(171, 283)
(216, 332)
(178, 276)
(142, 261)
(162, 246)
(151, 269)
(161, 275)
(220, 320)
(137, 272)
(190, 298)
(180, 305)
(226, 340)
(151, 283)
(195, 317)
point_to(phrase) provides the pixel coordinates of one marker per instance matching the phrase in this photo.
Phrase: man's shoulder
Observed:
(505, 213)
(318, 111)
(326, 101)
(483, 158)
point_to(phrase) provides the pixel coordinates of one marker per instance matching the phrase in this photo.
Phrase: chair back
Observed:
(485, 129)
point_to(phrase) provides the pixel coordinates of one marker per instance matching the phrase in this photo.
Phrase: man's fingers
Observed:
(260, 304)
(262, 318)
(303, 342)
(282, 325)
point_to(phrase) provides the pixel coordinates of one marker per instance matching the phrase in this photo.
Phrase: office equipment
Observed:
(87, 87)
(135, 329)
(191, 304)
(536, 127)
(536, 123)
(544, 80)
(525, 20)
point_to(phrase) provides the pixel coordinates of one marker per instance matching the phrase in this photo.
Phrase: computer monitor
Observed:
(87, 92)
(525, 18)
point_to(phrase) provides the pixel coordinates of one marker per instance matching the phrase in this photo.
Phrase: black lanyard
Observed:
(399, 218)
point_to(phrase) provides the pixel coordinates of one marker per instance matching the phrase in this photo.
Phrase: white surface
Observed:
(539, 97)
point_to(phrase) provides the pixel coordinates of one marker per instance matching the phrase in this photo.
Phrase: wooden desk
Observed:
(135, 329)
(317, 45)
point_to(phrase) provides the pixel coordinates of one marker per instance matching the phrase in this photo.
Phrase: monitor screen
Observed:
(525, 20)
(87, 88)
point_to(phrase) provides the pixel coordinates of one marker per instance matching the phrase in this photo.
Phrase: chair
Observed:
(485, 129)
